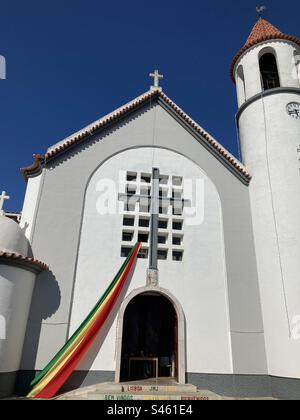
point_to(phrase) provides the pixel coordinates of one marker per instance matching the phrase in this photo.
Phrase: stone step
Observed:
(137, 388)
(199, 396)
(159, 389)
(139, 392)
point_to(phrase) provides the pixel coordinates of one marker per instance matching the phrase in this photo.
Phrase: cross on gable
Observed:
(3, 197)
(156, 78)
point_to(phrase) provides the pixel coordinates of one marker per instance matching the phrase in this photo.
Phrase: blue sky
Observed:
(71, 61)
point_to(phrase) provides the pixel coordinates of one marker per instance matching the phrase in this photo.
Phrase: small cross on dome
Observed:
(3, 197)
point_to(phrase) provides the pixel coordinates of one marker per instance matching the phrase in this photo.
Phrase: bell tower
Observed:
(266, 72)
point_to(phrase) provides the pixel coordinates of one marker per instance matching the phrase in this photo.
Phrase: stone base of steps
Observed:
(140, 392)
(144, 397)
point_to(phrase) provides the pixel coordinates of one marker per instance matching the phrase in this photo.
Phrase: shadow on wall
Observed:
(24, 229)
(79, 377)
(45, 302)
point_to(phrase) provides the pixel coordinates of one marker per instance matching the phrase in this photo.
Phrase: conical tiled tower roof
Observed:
(262, 29)
(261, 32)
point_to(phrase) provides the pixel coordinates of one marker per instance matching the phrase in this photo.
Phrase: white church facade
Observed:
(220, 307)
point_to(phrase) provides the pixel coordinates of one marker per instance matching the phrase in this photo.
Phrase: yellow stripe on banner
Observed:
(70, 351)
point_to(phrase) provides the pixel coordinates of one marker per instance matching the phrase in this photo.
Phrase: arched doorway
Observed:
(151, 337)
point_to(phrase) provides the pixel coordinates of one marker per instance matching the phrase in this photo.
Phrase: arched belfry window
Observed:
(269, 71)
(241, 84)
(296, 71)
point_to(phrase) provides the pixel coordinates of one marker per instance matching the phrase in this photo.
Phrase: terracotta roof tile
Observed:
(261, 32)
(84, 135)
(262, 29)
(17, 258)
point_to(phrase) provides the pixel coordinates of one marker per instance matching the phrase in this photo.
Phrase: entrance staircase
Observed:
(141, 391)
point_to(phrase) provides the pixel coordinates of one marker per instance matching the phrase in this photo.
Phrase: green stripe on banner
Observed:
(77, 332)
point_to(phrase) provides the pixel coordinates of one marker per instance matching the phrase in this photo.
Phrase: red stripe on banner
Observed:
(61, 377)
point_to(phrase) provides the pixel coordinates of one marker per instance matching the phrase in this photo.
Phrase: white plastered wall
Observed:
(30, 205)
(199, 282)
(270, 140)
(285, 55)
(16, 287)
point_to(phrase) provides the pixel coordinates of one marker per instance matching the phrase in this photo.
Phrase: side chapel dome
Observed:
(12, 238)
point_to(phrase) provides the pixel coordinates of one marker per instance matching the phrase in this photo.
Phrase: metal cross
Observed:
(3, 197)
(156, 78)
(155, 201)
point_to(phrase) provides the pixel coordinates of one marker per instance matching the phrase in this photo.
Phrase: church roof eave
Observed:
(17, 260)
(85, 134)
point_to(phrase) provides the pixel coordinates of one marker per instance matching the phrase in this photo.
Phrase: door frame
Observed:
(181, 351)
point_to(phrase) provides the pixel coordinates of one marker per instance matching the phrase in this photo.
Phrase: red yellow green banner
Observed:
(56, 373)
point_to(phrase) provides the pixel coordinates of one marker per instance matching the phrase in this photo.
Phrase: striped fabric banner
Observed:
(56, 373)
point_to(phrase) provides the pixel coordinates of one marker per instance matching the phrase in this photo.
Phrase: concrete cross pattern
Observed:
(156, 201)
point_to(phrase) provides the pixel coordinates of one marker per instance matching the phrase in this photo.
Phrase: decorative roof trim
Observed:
(209, 140)
(20, 261)
(250, 45)
(84, 135)
(34, 169)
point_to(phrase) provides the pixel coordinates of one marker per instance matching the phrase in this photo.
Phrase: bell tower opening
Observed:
(150, 339)
(241, 86)
(269, 71)
(297, 65)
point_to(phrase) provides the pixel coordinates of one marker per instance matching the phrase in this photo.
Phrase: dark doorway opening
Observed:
(150, 339)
